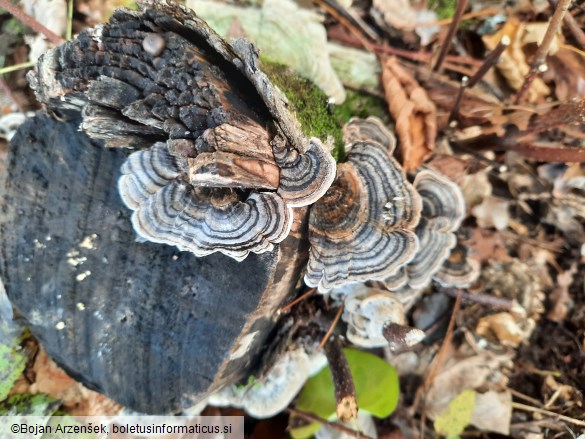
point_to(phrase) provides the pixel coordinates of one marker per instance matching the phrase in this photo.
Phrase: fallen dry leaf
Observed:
(77, 400)
(492, 212)
(567, 71)
(493, 411)
(560, 297)
(509, 329)
(463, 371)
(413, 111)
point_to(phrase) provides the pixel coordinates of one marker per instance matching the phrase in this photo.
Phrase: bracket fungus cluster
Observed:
(219, 160)
(363, 227)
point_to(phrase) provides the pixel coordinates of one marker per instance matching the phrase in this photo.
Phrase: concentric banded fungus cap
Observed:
(458, 270)
(442, 212)
(220, 160)
(363, 227)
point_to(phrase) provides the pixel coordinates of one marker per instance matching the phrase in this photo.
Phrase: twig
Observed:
(440, 356)
(490, 61)
(572, 25)
(469, 15)
(538, 64)
(15, 67)
(528, 408)
(331, 328)
(69, 32)
(407, 54)
(342, 380)
(20, 15)
(481, 299)
(347, 23)
(333, 425)
(287, 308)
(521, 395)
(460, 9)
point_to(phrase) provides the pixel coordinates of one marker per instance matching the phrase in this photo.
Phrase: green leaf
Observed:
(376, 384)
(29, 405)
(12, 358)
(457, 416)
(305, 431)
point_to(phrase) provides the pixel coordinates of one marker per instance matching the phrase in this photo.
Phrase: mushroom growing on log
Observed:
(153, 328)
(216, 163)
(220, 161)
(363, 227)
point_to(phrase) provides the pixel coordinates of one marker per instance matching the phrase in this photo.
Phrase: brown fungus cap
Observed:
(442, 212)
(235, 160)
(363, 227)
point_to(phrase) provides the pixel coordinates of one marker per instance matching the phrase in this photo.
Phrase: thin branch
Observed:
(460, 9)
(20, 15)
(527, 408)
(333, 425)
(538, 63)
(331, 328)
(286, 308)
(15, 67)
(347, 23)
(490, 61)
(482, 299)
(572, 25)
(343, 384)
(440, 358)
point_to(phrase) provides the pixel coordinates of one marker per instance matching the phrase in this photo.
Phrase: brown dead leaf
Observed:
(513, 64)
(465, 370)
(509, 329)
(560, 297)
(487, 245)
(413, 111)
(476, 107)
(50, 379)
(451, 166)
(567, 72)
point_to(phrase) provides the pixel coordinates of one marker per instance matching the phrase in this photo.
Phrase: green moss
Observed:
(311, 108)
(443, 8)
(308, 102)
(362, 105)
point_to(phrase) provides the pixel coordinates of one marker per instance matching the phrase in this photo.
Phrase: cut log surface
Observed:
(151, 327)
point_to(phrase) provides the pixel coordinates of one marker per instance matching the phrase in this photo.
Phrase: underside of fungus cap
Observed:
(272, 393)
(367, 311)
(363, 227)
(443, 209)
(229, 160)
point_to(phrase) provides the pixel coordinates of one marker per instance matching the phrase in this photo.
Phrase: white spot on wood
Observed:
(243, 346)
(81, 276)
(80, 306)
(89, 242)
(60, 326)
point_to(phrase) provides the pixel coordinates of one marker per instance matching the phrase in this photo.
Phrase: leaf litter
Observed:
(518, 342)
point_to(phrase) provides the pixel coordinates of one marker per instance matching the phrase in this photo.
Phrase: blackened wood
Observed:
(149, 326)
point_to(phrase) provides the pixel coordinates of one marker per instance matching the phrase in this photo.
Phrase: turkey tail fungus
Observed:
(201, 155)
